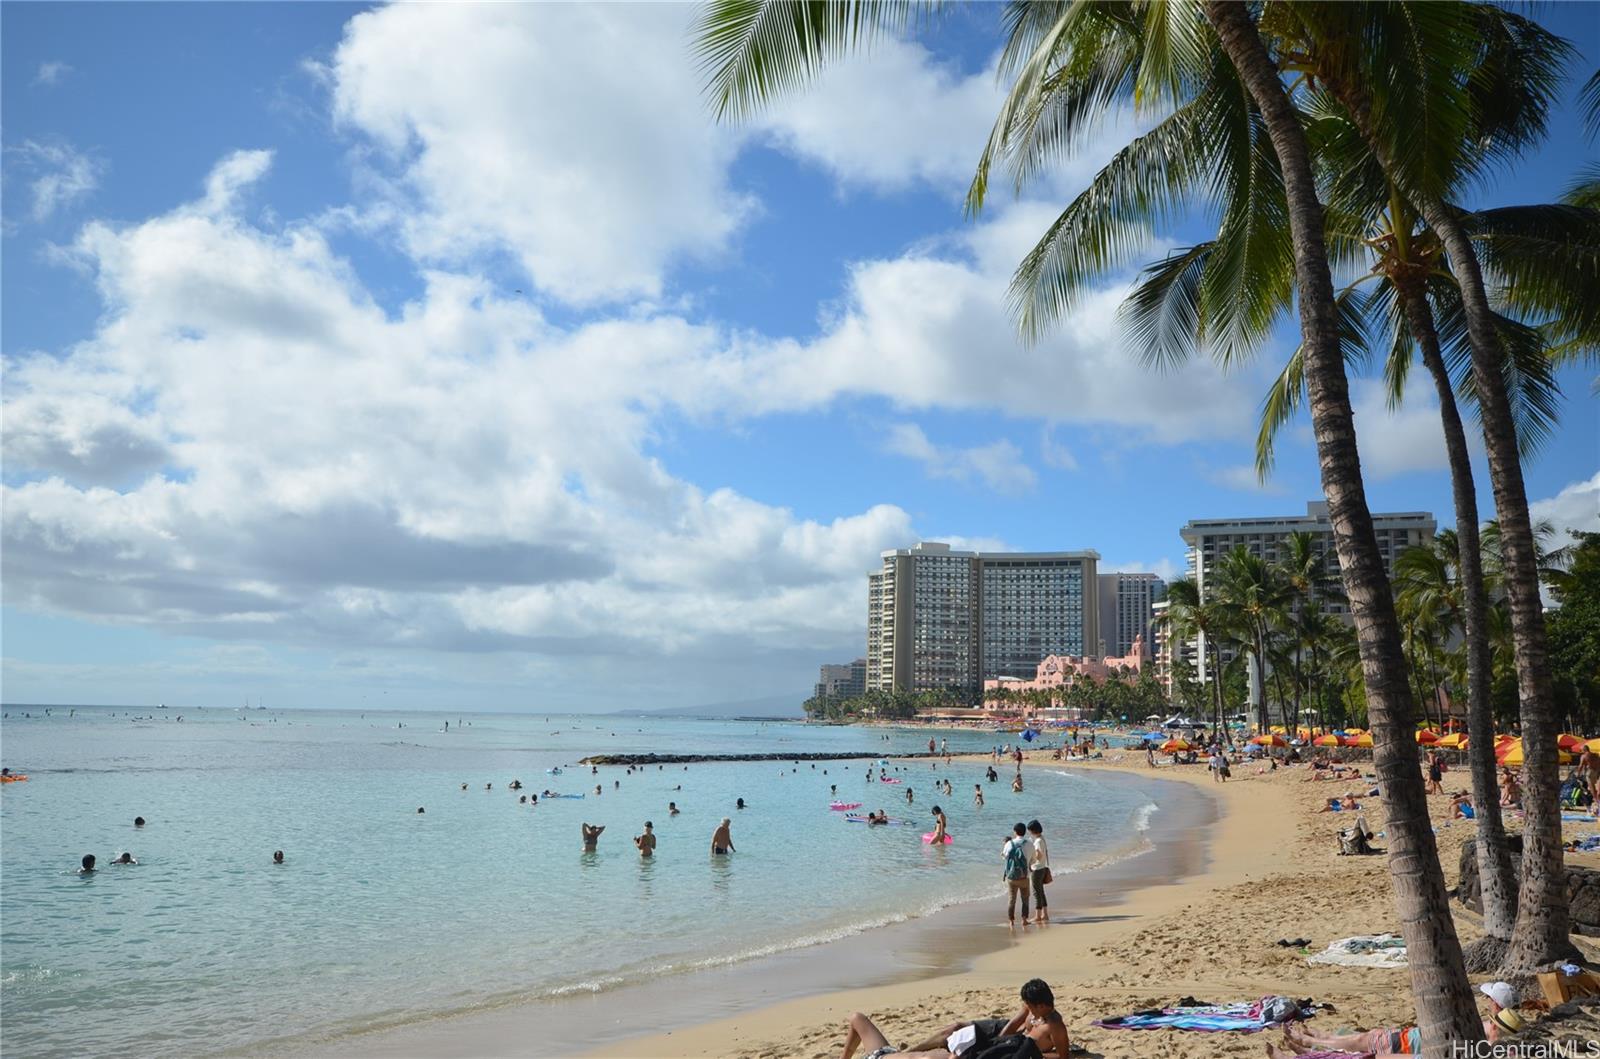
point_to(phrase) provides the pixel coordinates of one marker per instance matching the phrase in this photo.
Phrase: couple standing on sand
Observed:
(1027, 864)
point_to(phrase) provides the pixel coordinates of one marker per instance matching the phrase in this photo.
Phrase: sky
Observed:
(455, 356)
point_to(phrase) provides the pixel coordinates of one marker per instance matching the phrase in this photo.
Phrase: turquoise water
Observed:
(381, 915)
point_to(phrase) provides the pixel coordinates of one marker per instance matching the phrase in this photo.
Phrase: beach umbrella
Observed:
(1360, 740)
(1454, 741)
(1427, 736)
(1593, 744)
(1512, 754)
(1326, 740)
(1029, 735)
(1573, 743)
(1174, 746)
(1270, 739)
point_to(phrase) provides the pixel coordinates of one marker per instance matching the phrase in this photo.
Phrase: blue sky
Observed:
(453, 355)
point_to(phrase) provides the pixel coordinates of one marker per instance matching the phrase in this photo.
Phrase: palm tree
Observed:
(1252, 592)
(1412, 125)
(1072, 62)
(1190, 616)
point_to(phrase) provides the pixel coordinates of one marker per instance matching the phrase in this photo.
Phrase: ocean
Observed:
(380, 915)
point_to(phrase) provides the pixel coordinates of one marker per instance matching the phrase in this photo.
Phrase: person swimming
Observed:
(672, 808)
(419, 809)
(138, 821)
(738, 803)
(277, 856)
(124, 858)
(86, 865)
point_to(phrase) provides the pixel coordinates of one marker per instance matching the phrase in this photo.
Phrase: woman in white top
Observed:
(1039, 869)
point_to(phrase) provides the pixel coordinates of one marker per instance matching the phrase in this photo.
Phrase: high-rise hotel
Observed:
(942, 620)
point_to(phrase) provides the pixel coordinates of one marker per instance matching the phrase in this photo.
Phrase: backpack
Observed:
(1016, 1046)
(1016, 860)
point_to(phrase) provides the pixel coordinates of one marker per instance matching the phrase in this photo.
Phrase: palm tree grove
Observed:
(1338, 153)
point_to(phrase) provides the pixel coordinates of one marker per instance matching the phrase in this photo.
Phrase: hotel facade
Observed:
(1266, 538)
(944, 620)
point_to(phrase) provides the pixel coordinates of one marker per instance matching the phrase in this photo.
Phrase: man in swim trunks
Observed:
(647, 841)
(1038, 1019)
(722, 838)
(591, 836)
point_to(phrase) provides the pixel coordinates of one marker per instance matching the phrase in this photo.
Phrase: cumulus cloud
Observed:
(573, 137)
(1243, 478)
(51, 73)
(998, 465)
(1575, 507)
(60, 174)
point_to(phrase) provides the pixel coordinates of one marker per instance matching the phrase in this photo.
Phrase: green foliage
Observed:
(881, 705)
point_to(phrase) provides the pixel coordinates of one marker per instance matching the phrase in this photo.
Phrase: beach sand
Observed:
(1272, 872)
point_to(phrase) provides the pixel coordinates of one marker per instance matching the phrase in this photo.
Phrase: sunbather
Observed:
(1038, 1020)
(1299, 1040)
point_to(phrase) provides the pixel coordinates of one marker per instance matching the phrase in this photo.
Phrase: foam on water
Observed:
(207, 946)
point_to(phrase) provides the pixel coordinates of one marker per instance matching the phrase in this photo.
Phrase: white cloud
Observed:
(1054, 453)
(997, 465)
(573, 137)
(1243, 478)
(1164, 568)
(887, 117)
(51, 73)
(61, 175)
(1576, 507)
(1398, 441)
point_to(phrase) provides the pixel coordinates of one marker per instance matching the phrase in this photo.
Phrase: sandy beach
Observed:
(1271, 872)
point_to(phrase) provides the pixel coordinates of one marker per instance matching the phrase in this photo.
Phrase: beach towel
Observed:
(1364, 950)
(1213, 1018)
(1577, 818)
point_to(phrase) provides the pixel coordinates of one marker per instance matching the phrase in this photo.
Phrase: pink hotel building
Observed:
(1059, 672)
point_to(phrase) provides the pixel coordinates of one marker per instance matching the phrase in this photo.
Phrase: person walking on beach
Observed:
(647, 841)
(1039, 870)
(1435, 784)
(977, 796)
(722, 837)
(591, 836)
(1015, 872)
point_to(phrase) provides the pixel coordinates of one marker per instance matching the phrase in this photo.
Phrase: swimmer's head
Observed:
(419, 808)
(726, 821)
(937, 810)
(648, 825)
(88, 862)
(277, 856)
(138, 821)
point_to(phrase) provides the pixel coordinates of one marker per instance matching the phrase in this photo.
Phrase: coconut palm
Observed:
(1411, 111)
(1253, 594)
(1190, 616)
(1072, 62)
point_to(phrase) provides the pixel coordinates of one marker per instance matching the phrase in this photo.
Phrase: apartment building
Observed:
(1126, 611)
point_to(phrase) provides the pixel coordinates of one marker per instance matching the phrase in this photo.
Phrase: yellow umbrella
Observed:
(1326, 740)
(1427, 736)
(1512, 755)
(1593, 744)
(1270, 739)
(1362, 740)
(1278, 728)
(1455, 740)
(1173, 746)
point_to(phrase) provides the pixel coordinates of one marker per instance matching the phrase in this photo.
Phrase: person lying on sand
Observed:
(1038, 1020)
(1299, 1040)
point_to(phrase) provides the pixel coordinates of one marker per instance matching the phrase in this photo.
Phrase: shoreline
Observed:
(950, 942)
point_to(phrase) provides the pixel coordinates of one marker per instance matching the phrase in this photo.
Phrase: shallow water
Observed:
(380, 914)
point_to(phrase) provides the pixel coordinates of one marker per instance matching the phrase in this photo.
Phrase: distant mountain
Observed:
(772, 706)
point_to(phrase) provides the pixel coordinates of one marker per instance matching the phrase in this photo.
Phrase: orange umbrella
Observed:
(1326, 740)
(1174, 746)
(1362, 740)
(1573, 743)
(1270, 739)
(1427, 736)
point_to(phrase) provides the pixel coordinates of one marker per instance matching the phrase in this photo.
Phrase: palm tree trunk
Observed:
(1494, 854)
(1445, 1008)
(1543, 920)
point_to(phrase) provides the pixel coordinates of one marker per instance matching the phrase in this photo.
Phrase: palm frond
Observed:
(1162, 313)
(1545, 262)
(1288, 390)
(753, 50)
(1589, 100)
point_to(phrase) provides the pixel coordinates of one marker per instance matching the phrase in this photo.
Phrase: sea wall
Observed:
(1583, 886)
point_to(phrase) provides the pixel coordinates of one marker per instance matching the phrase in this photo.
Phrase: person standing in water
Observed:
(647, 841)
(722, 838)
(939, 825)
(591, 836)
(977, 796)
